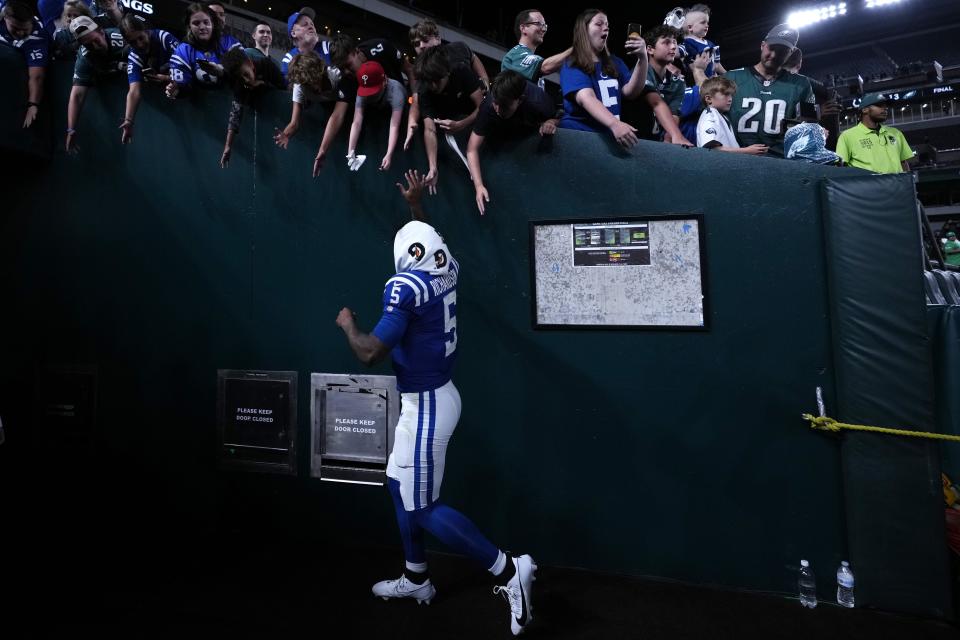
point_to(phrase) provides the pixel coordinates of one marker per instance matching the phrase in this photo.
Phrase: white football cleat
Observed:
(403, 588)
(517, 593)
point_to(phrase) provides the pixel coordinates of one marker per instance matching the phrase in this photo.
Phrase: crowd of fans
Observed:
(675, 90)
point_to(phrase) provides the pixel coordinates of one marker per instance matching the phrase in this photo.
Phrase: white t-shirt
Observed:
(713, 127)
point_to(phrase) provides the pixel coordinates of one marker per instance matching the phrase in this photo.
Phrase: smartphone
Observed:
(634, 30)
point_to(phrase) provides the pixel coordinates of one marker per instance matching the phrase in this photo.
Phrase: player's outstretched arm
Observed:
(368, 348)
(413, 194)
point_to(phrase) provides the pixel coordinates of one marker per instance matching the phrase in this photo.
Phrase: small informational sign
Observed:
(257, 416)
(353, 418)
(603, 244)
(623, 272)
(356, 425)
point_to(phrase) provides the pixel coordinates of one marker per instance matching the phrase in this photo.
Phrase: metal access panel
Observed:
(257, 420)
(353, 418)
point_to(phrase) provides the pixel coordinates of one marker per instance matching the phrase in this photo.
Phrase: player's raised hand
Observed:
(414, 190)
(345, 318)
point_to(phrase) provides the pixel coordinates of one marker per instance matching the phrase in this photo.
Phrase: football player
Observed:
(767, 94)
(419, 329)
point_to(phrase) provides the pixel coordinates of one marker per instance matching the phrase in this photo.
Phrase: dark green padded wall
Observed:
(675, 454)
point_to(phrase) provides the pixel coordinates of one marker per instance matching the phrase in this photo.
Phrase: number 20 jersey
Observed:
(759, 107)
(419, 323)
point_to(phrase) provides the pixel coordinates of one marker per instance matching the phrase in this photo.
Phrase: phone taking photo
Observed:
(634, 30)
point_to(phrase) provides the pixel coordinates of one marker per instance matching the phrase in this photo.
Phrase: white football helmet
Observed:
(418, 247)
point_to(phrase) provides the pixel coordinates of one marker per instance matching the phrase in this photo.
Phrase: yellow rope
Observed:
(829, 424)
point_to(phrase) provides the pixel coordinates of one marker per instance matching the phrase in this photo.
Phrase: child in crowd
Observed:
(148, 60)
(198, 56)
(377, 91)
(713, 129)
(695, 25)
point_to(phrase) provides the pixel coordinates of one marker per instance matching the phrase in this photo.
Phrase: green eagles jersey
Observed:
(524, 61)
(91, 64)
(760, 106)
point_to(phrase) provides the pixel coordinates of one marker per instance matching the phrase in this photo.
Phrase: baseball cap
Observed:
(370, 78)
(292, 20)
(783, 34)
(82, 25)
(951, 234)
(871, 99)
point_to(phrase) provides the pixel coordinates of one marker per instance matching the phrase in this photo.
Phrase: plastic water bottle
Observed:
(808, 586)
(845, 585)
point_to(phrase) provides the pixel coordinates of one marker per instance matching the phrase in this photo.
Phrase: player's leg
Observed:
(415, 581)
(514, 576)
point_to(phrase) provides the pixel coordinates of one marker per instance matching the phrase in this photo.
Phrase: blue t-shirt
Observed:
(34, 47)
(691, 48)
(690, 110)
(162, 45)
(606, 89)
(419, 324)
(322, 49)
(183, 63)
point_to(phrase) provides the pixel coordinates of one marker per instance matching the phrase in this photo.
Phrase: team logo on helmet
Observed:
(417, 251)
(441, 257)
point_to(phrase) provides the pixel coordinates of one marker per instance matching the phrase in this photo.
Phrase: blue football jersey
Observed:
(419, 323)
(606, 89)
(689, 49)
(183, 63)
(690, 110)
(322, 49)
(34, 47)
(162, 46)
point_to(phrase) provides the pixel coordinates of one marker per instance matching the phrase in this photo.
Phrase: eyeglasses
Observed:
(540, 25)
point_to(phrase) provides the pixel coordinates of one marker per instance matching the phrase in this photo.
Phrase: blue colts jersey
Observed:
(162, 46)
(34, 47)
(184, 67)
(322, 50)
(419, 323)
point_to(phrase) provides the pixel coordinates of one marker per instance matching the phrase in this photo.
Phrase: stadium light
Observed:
(805, 17)
(872, 4)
